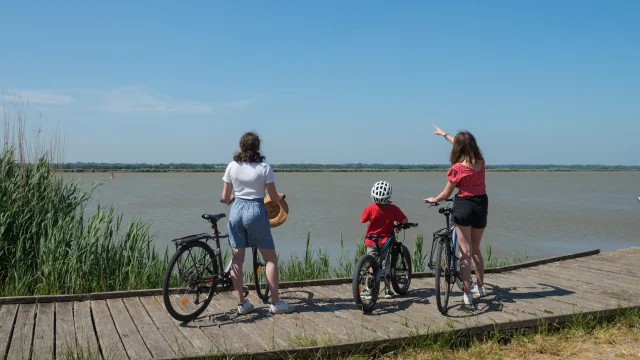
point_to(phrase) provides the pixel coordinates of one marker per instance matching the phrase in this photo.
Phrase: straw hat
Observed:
(277, 211)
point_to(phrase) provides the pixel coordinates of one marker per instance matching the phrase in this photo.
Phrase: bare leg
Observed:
(476, 255)
(273, 275)
(464, 236)
(236, 272)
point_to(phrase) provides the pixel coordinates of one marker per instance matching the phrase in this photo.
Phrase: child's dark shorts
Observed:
(471, 211)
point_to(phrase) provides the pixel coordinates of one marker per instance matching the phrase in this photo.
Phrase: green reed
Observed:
(47, 246)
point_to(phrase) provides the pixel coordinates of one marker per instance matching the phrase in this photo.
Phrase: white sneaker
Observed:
(478, 291)
(245, 307)
(281, 307)
(467, 298)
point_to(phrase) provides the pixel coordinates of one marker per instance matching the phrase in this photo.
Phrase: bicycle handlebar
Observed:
(438, 204)
(397, 226)
(406, 225)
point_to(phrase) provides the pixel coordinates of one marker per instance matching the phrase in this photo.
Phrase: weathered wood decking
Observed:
(135, 325)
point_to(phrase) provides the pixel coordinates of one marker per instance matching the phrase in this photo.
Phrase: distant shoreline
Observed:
(343, 170)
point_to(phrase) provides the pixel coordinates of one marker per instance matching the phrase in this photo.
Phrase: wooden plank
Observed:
(424, 300)
(131, 339)
(346, 325)
(607, 265)
(380, 326)
(198, 339)
(598, 289)
(23, 333)
(85, 334)
(108, 338)
(521, 294)
(65, 330)
(274, 337)
(174, 337)
(227, 325)
(552, 300)
(625, 282)
(43, 345)
(302, 331)
(156, 344)
(8, 315)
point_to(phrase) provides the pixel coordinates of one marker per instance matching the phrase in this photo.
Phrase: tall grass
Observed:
(47, 245)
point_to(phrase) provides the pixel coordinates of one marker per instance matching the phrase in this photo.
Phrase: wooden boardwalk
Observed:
(130, 326)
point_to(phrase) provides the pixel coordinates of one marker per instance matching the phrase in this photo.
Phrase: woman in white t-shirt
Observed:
(248, 176)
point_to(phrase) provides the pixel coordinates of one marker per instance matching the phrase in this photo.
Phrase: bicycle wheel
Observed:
(401, 270)
(364, 285)
(260, 276)
(442, 277)
(458, 274)
(189, 282)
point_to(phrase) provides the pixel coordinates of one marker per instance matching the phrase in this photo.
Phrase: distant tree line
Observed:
(357, 167)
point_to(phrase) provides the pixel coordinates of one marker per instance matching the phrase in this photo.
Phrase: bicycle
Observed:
(202, 274)
(445, 245)
(368, 272)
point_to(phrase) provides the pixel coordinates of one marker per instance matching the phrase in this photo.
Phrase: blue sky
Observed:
(537, 82)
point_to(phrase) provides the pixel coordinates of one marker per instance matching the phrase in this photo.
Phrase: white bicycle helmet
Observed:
(381, 192)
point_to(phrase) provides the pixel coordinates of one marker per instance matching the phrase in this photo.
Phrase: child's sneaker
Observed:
(467, 298)
(388, 294)
(365, 295)
(281, 307)
(245, 307)
(478, 291)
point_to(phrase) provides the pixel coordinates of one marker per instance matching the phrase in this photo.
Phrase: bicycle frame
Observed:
(385, 257)
(454, 240)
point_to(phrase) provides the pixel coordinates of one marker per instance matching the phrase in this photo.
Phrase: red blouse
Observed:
(468, 181)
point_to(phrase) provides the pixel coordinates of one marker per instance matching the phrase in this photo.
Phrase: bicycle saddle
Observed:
(212, 217)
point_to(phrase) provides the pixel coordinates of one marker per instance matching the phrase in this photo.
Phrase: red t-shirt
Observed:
(468, 181)
(381, 219)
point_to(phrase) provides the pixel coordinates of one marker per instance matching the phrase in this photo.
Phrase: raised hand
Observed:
(438, 131)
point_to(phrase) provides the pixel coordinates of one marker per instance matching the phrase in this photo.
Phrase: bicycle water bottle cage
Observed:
(191, 238)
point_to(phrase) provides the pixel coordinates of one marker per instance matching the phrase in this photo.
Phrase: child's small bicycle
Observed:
(395, 268)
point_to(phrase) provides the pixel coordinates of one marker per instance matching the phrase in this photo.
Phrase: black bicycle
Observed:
(446, 267)
(395, 268)
(195, 272)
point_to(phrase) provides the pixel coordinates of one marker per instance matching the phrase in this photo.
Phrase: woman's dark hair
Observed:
(249, 149)
(465, 148)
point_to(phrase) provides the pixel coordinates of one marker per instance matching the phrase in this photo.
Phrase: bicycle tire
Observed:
(403, 253)
(260, 276)
(441, 277)
(356, 286)
(167, 279)
(458, 274)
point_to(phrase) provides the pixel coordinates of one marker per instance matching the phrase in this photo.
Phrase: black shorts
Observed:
(471, 211)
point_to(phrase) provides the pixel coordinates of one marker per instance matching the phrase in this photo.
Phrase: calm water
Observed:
(547, 213)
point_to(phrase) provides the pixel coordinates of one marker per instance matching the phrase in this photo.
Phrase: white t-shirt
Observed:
(249, 180)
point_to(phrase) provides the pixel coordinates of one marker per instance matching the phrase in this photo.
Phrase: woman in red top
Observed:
(467, 173)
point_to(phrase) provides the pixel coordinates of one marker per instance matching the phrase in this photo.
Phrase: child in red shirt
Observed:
(381, 216)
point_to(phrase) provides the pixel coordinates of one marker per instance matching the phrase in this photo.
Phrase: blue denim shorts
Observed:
(249, 224)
